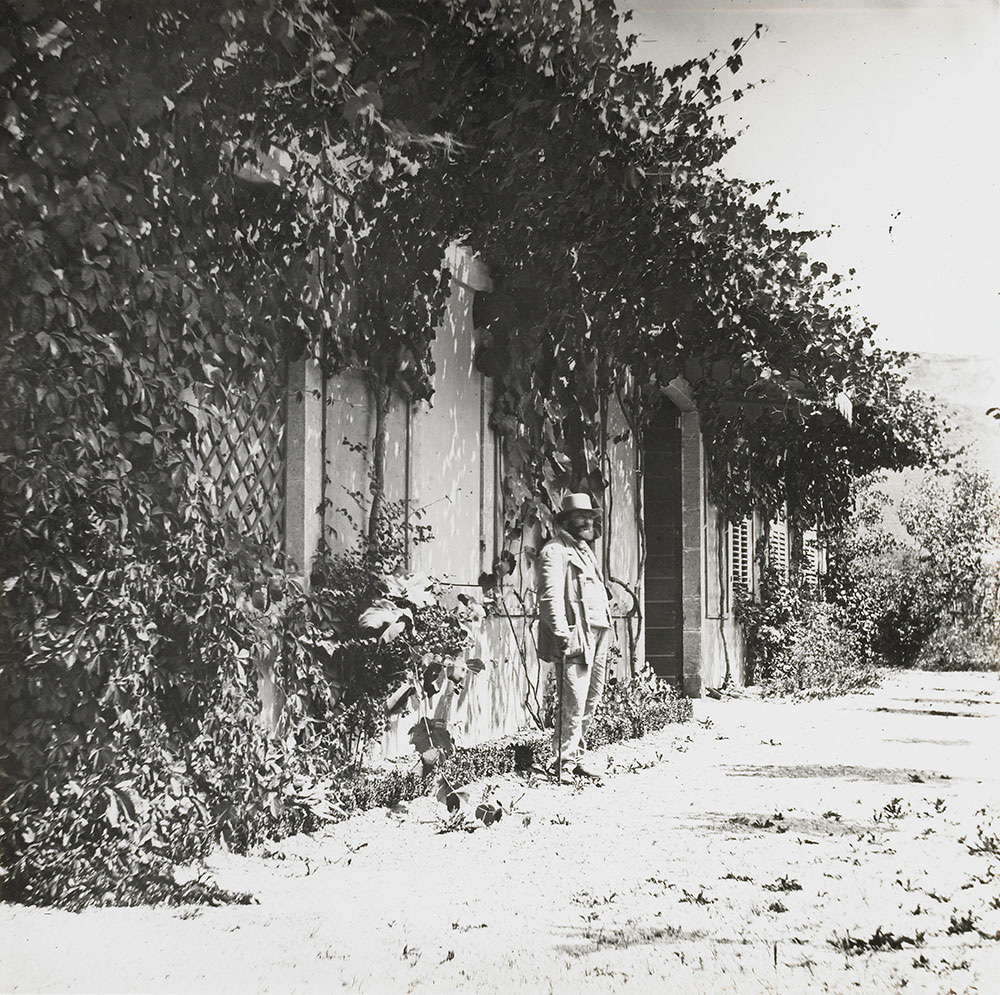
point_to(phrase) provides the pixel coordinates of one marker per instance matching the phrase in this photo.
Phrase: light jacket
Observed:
(562, 571)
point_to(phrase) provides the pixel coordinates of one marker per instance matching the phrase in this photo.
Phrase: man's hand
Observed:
(563, 643)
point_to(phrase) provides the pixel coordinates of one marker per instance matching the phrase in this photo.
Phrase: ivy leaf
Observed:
(454, 798)
(364, 103)
(399, 699)
(489, 812)
(382, 613)
(54, 41)
(392, 631)
(504, 564)
(430, 734)
(432, 679)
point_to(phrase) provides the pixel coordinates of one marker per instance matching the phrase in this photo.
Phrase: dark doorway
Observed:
(662, 504)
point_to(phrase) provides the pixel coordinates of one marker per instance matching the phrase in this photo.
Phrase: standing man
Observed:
(574, 630)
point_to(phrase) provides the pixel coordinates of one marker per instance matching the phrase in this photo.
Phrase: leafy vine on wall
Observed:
(195, 190)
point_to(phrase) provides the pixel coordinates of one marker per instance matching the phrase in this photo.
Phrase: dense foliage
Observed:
(877, 577)
(194, 192)
(132, 734)
(371, 636)
(801, 646)
(929, 597)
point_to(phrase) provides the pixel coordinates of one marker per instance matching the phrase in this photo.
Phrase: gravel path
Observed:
(764, 847)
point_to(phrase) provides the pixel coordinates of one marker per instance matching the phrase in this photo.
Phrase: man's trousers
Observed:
(582, 687)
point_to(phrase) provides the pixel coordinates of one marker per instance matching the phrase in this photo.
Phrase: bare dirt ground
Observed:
(764, 847)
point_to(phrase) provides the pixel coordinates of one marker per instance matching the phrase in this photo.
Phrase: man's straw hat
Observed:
(576, 502)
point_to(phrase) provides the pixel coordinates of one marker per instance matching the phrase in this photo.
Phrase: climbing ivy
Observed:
(192, 192)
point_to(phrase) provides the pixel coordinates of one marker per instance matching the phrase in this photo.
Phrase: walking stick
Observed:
(560, 667)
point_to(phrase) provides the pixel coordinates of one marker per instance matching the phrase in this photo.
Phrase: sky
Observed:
(882, 119)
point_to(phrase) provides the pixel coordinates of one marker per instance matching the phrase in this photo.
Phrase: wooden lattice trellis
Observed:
(241, 449)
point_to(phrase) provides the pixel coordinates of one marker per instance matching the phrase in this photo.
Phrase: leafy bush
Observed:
(629, 709)
(877, 580)
(133, 737)
(379, 637)
(768, 628)
(802, 647)
(824, 657)
(961, 644)
(930, 601)
(635, 707)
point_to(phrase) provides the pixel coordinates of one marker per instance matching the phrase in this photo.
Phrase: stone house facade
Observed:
(673, 568)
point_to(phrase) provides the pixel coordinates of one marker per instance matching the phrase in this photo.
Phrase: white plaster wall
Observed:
(441, 457)
(693, 535)
(451, 459)
(350, 422)
(622, 540)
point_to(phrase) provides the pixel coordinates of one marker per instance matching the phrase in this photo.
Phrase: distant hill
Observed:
(964, 387)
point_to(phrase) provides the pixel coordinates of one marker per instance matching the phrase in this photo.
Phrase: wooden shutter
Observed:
(741, 559)
(810, 560)
(777, 547)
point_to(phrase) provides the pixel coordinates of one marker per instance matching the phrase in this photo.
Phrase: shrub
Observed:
(823, 656)
(961, 644)
(132, 737)
(931, 600)
(769, 628)
(373, 632)
(635, 707)
(629, 709)
(799, 646)
(877, 580)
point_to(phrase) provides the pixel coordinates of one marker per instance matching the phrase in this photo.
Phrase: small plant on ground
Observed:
(783, 884)
(895, 809)
(700, 899)
(879, 940)
(987, 839)
(965, 923)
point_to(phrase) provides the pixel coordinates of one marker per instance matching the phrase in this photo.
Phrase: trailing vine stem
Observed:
(532, 689)
(165, 232)
(382, 396)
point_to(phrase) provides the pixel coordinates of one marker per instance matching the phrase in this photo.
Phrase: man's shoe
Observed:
(582, 770)
(566, 776)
